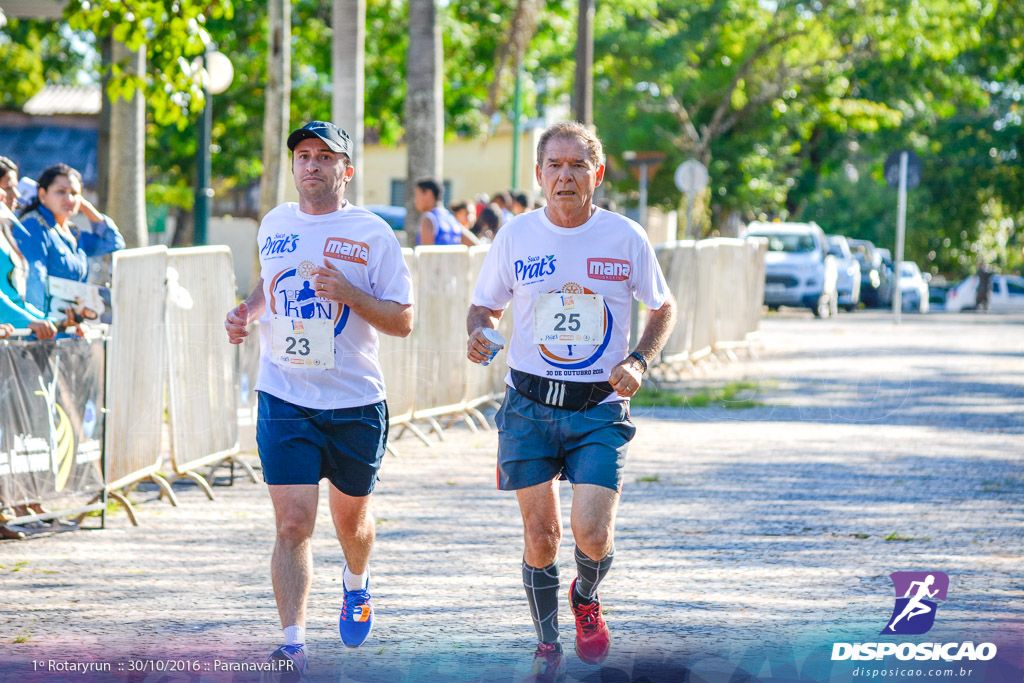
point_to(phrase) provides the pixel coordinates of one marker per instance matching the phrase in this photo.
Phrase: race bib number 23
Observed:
(302, 344)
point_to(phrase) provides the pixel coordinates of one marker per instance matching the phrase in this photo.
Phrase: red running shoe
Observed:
(592, 638)
(548, 664)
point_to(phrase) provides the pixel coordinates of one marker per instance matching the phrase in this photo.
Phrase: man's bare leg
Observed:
(291, 566)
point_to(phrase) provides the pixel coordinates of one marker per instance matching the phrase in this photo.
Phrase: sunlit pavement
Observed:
(871, 448)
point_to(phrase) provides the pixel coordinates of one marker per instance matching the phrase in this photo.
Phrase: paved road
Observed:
(875, 448)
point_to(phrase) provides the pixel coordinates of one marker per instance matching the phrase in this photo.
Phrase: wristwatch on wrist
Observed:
(643, 361)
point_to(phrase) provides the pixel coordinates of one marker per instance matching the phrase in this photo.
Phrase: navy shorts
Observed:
(537, 443)
(304, 445)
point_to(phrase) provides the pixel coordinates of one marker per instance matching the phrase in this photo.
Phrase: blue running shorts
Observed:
(537, 443)
(304, 445)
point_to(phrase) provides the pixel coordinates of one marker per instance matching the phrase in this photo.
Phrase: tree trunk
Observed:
(583, 92)
(424, 126)
(276, 108)
(103, 139)
(126, 178)
(348, 58)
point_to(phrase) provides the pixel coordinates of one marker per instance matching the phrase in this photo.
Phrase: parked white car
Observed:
(913, 288)
(798, 268)
(847, 272)
(1007, 294)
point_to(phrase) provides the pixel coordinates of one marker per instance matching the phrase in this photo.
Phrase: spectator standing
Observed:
(520, 203)
(53, 245)
(487, 223)
(465, 214)
(984, 286)
(504, 203)
(438, 225)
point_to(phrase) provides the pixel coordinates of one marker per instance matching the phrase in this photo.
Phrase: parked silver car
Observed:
(1006, 294)
(847, 272)
(798, 268)
(913, 288)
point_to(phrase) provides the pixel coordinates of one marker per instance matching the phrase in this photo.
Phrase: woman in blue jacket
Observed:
(14, 311)
(53, 245)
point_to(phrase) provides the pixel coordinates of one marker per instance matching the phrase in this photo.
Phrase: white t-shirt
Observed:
(364, 248)
(609, 255)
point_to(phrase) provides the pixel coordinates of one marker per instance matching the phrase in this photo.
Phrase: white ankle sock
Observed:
(355, 582)
(295, 635)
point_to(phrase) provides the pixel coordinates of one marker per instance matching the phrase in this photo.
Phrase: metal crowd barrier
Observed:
(757, 248)
(678, 261)
(442, 299)
(732, 294)
(479, 378)
(247, 369)
(136, 370)
(704, 309)
(398, 363)
(202, 394)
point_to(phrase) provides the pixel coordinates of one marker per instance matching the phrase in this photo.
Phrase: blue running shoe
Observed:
(356, 617)
(290, 665)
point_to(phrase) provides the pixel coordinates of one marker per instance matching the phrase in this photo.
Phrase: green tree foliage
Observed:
(173, 33)
(795, 105)
(35, 53)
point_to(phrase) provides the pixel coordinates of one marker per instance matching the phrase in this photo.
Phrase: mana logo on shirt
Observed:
(612, 269)
(534, 268)
(347, 250)
(292, 295)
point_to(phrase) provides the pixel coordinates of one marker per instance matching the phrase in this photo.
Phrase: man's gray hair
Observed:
(573, 130)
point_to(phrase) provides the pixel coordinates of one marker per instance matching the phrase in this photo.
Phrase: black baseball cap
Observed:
(336, 139)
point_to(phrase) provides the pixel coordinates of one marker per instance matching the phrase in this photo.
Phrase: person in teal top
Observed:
(15, 312)
(53, 245)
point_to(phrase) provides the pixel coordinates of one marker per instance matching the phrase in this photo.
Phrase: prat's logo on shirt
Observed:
(347, 250)
(279, 245)
(534, 268)
(612, 269)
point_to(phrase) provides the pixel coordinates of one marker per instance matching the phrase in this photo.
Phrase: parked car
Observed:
(1007, 294)
(847, 272)
(938, 289)
(798, 268)
(394, 215)
(913, 288)
(875, 278)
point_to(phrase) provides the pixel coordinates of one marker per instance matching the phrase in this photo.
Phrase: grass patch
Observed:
(652, 479)
(732, 396)
(895, 536)
(113, 507)
(658, 397)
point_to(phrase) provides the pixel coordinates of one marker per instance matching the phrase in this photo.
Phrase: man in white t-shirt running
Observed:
(571, 271)
(332, 275)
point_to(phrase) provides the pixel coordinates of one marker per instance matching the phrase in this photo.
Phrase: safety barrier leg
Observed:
(165, 488)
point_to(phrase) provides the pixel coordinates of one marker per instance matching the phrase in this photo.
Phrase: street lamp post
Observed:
(219, 74)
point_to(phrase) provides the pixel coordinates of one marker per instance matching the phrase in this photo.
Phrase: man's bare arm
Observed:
(480, 317)
(627, 376)
(238, 318)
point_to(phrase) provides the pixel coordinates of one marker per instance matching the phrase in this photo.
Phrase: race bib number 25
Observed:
(561, 318)
(302, 344)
